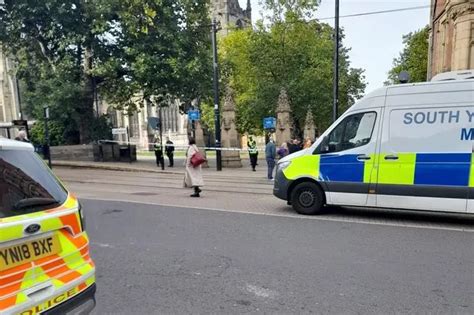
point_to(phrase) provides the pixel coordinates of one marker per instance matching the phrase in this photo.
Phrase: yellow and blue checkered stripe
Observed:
(412, 169)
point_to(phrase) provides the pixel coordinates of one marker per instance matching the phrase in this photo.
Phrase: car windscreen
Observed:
(26, 184)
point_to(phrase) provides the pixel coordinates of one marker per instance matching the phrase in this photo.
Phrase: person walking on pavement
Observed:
(159, 153)
(270, 155)
(170, 151)
(193, 175)
(253, 152)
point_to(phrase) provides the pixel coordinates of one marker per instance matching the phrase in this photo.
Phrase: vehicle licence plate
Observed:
(19, 254)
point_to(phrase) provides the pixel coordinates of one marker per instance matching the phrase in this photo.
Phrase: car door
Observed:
(348, 156)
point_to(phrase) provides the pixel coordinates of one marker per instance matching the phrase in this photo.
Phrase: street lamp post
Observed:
(161, 136)
(336, 65)
(216, 97)
(46, 134)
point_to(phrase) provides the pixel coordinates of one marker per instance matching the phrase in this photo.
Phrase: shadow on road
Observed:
(393, 216)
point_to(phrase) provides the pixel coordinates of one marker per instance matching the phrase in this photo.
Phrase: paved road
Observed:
(161, 259)
(237, 191)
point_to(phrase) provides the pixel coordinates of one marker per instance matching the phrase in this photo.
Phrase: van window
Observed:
(354, 131)
(26, 185)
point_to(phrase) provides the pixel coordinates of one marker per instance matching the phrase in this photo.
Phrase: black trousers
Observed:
(171, 158)
(159, 158)
(253, 160)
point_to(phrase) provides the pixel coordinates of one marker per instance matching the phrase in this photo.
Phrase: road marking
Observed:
(260, 292)
(294, 216)
(103, 245)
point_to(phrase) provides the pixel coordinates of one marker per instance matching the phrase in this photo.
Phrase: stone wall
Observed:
(72, 153)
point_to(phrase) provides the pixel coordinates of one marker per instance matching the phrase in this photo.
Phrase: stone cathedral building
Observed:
(451, 37)
(228, 13)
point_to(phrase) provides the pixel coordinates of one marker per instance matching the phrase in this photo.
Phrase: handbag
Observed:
(197, 159)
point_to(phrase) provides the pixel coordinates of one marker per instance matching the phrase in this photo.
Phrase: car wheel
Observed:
(307, 198)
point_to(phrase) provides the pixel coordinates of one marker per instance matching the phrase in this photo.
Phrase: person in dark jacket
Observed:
(270, 155)
(294, 146)
(159, 153)
(170, 151)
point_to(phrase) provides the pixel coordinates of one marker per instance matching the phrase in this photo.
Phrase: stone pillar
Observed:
(309, 126)
(229, 134)
(284, 126)
(461, 13)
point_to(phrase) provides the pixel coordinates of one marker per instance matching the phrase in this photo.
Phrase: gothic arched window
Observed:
(239, 24)
(112, 113)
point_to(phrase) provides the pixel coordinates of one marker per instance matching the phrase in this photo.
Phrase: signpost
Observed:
(154, 123)
(20, 123)
(269, 123)
(46, 134)
(119, 131)
(194, 114)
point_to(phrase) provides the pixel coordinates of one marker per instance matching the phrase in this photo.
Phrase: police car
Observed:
(45, 267)
(407, 146)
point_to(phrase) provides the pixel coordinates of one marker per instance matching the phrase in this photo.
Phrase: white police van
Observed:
(408, 146)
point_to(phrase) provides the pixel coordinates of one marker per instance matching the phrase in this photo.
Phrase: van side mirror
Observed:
(324, 146)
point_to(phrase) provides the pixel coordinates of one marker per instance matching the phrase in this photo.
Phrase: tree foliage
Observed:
(293, 54)
(413, 58)
(280, 9)
(129, 50)
(163, 52)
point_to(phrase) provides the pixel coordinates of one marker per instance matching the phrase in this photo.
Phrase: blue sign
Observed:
(194, 115)
(269, 123)
(154, 122)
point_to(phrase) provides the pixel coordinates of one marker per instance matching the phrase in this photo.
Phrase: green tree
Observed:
(55, 44)
(163, 53)
(294, 54)
(413, 58)
(130, 50)
(280, 9)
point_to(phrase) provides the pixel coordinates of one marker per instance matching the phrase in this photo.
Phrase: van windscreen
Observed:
(26, 185)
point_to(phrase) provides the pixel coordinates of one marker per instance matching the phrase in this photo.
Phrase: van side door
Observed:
(424, 161)
(470, 200)
(347, 157)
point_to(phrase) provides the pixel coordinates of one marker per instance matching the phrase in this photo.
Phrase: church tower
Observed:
(230, 15)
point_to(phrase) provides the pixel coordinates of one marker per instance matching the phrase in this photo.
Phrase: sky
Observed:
(375, 40)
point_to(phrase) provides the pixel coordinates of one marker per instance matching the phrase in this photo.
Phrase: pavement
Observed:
(146, 163)
(154, 259)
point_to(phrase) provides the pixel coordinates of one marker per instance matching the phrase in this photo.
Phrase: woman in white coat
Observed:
(193, 175)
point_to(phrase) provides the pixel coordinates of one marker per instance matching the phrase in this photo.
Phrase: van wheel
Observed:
(307, 198)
